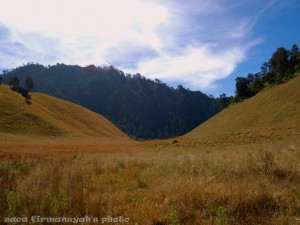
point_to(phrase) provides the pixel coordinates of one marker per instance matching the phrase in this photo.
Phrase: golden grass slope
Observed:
(273, 114)
(49, 116)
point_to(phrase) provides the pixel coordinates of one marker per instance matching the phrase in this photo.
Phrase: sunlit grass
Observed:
(245, 176)
(249, 184)
(48, 116)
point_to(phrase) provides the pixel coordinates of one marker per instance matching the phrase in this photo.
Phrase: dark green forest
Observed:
(142, 108)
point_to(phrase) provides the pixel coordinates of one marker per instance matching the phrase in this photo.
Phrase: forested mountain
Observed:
(142, 108)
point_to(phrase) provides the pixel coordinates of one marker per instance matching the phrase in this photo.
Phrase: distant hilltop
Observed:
(142, 108)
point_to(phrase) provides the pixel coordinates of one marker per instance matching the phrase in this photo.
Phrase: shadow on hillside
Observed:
(27, 101)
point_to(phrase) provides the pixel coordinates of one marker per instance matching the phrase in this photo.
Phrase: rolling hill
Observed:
(49, 116)
(273, 114)
(140, 107)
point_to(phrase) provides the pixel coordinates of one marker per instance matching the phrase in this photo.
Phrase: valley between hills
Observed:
(241, 166)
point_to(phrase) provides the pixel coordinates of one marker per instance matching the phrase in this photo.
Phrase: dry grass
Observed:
(271, 115)
(152, 183)
(58, 159)
(49, 116)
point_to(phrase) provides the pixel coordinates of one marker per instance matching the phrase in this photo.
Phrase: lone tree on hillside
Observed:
(29, 83)
(14, 81)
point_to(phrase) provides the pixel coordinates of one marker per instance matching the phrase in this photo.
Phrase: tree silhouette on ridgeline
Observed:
(281, 67)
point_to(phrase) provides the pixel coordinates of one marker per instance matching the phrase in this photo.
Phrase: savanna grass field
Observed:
(172, 182)
(240, 167)
(149, 112)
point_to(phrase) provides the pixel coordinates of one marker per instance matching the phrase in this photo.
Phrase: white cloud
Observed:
(196, 67)
(85, 30)
(195, 42)
(105, 19)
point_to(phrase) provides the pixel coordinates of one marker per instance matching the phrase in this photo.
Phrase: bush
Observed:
(15, 82)
(23, 91)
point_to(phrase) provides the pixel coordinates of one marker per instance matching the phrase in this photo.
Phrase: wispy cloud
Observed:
(195, 42)
(205, 41)
(10, 49)
(17, 48)
(195, 67)
(129, 55)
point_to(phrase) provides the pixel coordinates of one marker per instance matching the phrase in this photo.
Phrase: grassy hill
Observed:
(49, 116)
(273, 114)
(142, 108)
(194, 184)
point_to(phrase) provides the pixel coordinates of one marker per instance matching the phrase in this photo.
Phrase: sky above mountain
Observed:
(202, 44)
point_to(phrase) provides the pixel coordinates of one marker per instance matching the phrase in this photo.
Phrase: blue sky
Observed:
(201, 44)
